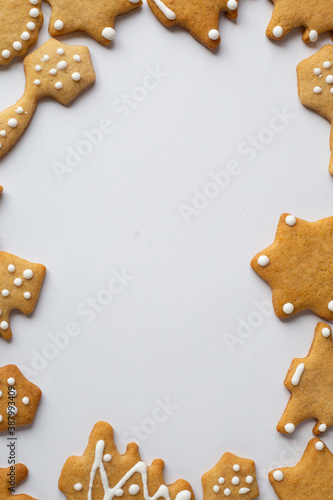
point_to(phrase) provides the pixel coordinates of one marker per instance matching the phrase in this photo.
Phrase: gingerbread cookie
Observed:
(315, 86)
(19, 399)
(298, 266)
(200, 18)
(101, 472)
(314, 15)
(95, 18)
(311, 478)
(9, 479)
(20, 22)
(21, 282)
(232, 477)
(54, 70)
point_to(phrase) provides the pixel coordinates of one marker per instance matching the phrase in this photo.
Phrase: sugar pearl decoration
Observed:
(232, 5)
(322, 427)
(319, 445)
(4, 325)
(326, 332)
(214, 35)
(289, 428)
(290, 220)
(59, 25)
(26, 401)
(278, 475)
(277, 31)
(288, 308)
(11, 381)
(11, 268)
(108, 33)
(263, 260)
(313, 36)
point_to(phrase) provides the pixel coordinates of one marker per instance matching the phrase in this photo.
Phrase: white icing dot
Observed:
(25, 401)
(277, 31)
(58, 85)
(108, 33)
(31, 26)
(134, 489)
(235, 480)
(3, 133)
(76, 77)
(5, 293)
(329, 79)
(249, 479)
(319, 445)
(18, 282)
(38, 68)
(12, 122)
(214, 34)
(34, 2)
(53, 71)
(327, 64)
(227, 492)
(45, 58)
(236, 468)
(330, 305)
(221, 480)
(62, 65)
(19, 111)
(317, 71)
(278, 475)
(119, 492)
(37, 82)
(4, 325)
(322, 427)
(290, 220)
(326, 332)
(27, 295)
(313, 36)
(12, 409)
(289, 428)
(243, 491)
(28, 274)
(331, 91)
(17, 46)
(6, 54)
(59, 25)
(77, 58)
(263, 260)
(60, 52)
(107, 458)
(34, 13)
(11, 267)
(288, 308)
(216, 488)
(232, 5)
(11, 381)
(317, 90)
(78, 487)
(25, 36)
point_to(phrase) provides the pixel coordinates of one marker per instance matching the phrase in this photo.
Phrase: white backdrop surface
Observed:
(161, 340)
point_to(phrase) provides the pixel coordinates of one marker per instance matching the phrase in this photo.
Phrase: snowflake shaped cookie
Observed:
(200, 18)
(20, 22)
(311, 478)
(298, 266)
(232, 477)
(9, 479)
(101, 472)
(314, 15)
(96, 18)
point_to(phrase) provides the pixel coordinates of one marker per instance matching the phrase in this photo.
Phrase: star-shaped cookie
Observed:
(95, 17)
(310, 382)
(311, 478)
(314, 15)
(315, 86)
(298, 266)
(10, 478)
(200, 18)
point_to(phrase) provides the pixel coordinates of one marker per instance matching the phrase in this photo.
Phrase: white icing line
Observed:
(298, 374)
(169, 14)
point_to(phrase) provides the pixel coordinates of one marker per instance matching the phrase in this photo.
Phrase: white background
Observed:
(163, 336)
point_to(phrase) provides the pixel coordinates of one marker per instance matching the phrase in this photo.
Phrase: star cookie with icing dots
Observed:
(298, 267)
(310, 382)
(20, 22)
(200, 18)
(315, 16)
(95, 17)
(232, 477)
(10, 478)
(311, 478)
(102, 472)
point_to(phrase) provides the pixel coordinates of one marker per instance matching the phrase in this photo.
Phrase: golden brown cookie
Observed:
(233, 477)
(315, 86)
(200, 18)
(298, 267)
(314, 15)
(95, 17)
(311, 478)
(101, 472)
(310, 381)
(19, 399)
(54, 70)
(9, 479)
(20, 22)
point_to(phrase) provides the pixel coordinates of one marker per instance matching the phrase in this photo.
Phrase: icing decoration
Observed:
(300, 270)
(96, 19)
(122, 475)
(244, 482)
(201, 19)
(20, 33)
(15, 474)
(63, 89)
(18, 406)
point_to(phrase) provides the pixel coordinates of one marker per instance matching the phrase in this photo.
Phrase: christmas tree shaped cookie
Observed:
(9, 479)
(103, 473)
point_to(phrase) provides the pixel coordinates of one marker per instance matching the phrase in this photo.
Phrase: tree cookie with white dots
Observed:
(200, 18)
(311, 478)
(97, 17)
(315, 86)
(21, 282)
(10, 478)
(315, 16)
(54, 70)
(102, 472)
(298, 267)
(232, 477)
(19, 399)
(20, 22)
